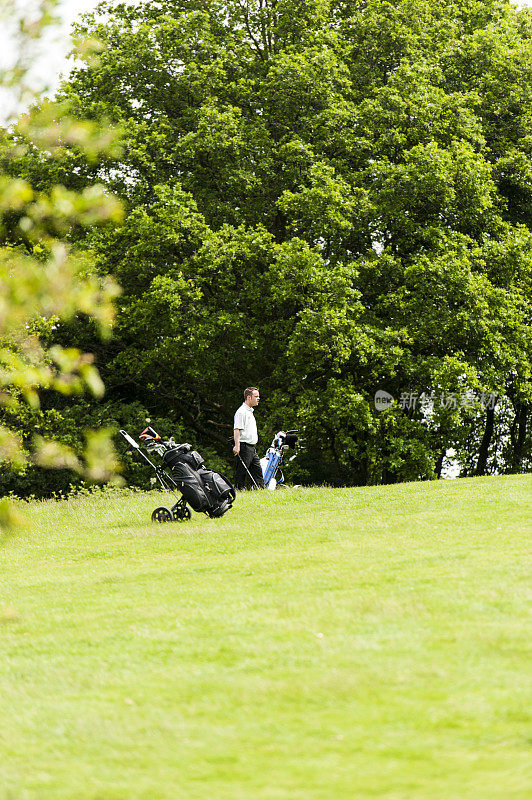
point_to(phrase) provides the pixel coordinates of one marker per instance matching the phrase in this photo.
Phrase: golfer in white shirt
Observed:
(247, 462)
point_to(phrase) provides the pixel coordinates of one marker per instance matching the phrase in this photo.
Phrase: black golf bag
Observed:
(203, 489)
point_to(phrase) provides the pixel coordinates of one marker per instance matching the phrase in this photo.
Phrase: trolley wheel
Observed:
(181, 513)
(162, 514)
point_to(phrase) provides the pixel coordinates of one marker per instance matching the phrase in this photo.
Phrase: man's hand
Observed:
(236, 449)
(236, 434)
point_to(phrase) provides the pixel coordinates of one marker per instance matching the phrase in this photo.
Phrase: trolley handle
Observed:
(129, 439)
(134, 444)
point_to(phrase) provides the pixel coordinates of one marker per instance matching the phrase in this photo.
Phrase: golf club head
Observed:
(149, 435)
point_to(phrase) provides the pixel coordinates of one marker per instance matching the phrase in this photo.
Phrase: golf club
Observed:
(248, 472)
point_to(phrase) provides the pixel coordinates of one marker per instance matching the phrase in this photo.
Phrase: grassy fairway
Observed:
(313, 644)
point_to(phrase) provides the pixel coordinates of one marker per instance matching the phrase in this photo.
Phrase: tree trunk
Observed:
(439, 464)
(485, 443)
(518, 437)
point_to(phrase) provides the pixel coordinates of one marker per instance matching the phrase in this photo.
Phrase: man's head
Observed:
(251, 396)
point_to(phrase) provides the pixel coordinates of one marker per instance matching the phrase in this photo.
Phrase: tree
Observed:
(44, 280)
(324, 199)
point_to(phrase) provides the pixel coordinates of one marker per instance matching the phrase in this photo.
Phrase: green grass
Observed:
(312, 644)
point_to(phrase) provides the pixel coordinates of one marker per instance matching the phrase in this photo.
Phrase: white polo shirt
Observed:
(245, 422)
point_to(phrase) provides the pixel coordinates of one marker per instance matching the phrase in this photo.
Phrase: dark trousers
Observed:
(249, 456)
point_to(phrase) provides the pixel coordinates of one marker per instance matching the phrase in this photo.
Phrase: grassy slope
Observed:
(311, 645)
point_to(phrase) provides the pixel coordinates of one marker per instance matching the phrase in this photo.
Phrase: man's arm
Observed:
(236, 448)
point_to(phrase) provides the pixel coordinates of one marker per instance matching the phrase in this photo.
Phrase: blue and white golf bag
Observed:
(271, 463)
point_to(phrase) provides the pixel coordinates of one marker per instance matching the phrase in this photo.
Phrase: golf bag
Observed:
(271, 462)
(184, 470)
(204, 490)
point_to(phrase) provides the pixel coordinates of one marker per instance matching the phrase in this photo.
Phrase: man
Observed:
(245, 433)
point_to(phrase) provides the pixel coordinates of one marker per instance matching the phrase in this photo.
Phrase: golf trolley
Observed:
(183, 471)
(271, 462)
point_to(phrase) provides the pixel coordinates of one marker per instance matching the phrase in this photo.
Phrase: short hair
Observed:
(249, 391)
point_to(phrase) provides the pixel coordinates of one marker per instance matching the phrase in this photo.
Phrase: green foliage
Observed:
(324, 200)
(44, 279)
